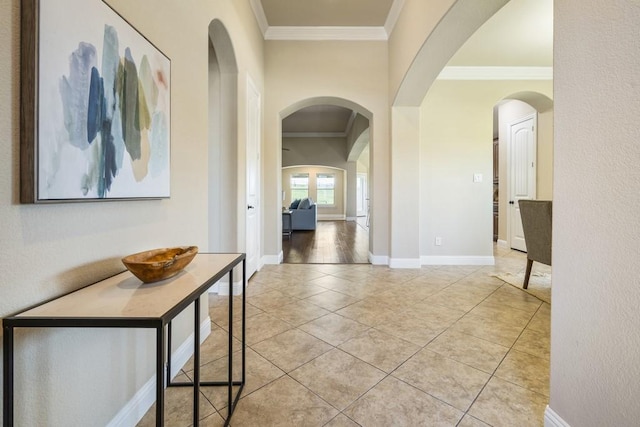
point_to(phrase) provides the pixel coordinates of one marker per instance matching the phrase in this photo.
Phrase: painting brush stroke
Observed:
(112, 139)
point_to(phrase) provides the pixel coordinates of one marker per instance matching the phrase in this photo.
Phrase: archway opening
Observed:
(322, 141)
(222, 157)
(454, 128)
(509, 112)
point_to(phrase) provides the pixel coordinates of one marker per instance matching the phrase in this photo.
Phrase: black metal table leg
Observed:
(160, 376)
(244, 318)
(7, 348)
(196, 362)
(230, 373)
(168, 378)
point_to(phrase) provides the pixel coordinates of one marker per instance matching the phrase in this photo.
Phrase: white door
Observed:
(361, 194)
(522, 177)
(253, 178)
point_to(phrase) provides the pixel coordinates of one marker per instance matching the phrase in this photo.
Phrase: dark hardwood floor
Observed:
(333, 242)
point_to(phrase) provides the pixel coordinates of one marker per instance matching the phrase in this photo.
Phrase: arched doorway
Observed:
(445, 122)
(330, 133)
(223, 124)
(510, 111)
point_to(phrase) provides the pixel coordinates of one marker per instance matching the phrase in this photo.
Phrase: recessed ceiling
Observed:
(326, 13)
(326, 19)
(319, 121)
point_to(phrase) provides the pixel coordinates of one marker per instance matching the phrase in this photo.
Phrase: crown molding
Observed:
(314, 134)
(326, 33)
(258, 11)
(496, 73)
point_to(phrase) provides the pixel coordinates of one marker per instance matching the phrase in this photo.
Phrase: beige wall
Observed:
(47, 250)
(425, 38)
(417, 19)
(595, 325)
(324, 212)
(544, 181)
(315, 151)
(456, 141)
(350, 72)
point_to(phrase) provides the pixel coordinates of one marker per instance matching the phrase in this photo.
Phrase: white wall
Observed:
(595, 322)
(456, 142)
(47, 250)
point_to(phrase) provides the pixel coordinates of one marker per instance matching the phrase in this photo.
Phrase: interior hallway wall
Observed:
(456, 142)
(352, 71)
(314, 151)
(595, 326)
(417, 20)
(48, 250)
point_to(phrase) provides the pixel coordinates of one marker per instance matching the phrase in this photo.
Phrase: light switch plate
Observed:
(477, 177)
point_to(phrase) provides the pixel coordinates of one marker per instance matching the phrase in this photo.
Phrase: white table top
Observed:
(125, 296)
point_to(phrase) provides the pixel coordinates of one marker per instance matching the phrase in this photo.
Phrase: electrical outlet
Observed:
(438, 241)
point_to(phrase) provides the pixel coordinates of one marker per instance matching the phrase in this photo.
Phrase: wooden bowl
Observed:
(159, 264)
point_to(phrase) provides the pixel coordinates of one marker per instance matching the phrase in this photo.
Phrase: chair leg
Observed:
(527, 274)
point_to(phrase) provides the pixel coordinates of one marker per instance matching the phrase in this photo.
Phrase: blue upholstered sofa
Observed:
(304, 214)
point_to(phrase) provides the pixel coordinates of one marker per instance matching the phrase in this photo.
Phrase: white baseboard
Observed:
(272, 259)
(137, 407)
(140, 403)
(331, 217)
(404, 263)
(351, 218)
(222, 287)
(502, 244)
(551, 419)
(457, 260)
(182, 354)
(378, 259)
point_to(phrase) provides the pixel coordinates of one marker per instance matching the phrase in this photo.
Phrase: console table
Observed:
(123, 301)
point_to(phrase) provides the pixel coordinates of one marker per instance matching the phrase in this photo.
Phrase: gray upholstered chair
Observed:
(536, 223)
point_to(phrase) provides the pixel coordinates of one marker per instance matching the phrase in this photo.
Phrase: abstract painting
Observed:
(97, 119)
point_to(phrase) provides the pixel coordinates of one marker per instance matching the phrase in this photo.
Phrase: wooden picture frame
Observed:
(95, 115)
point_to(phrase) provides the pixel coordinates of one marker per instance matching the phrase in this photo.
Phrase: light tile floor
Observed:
(362, 345)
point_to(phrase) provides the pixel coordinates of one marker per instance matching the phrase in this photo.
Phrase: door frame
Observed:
(365, 193)
(509, 168)
(255, 130)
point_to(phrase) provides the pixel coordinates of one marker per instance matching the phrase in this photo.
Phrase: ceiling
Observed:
(329, 121)
(518, 35)
(326, 13)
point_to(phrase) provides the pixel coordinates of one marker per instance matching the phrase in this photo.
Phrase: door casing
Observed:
(522, 174)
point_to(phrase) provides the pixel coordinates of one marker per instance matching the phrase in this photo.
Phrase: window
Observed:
(299, 186)
(326, 184)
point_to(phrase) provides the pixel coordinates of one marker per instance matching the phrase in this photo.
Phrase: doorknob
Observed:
(250, 207)
(511, 202)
